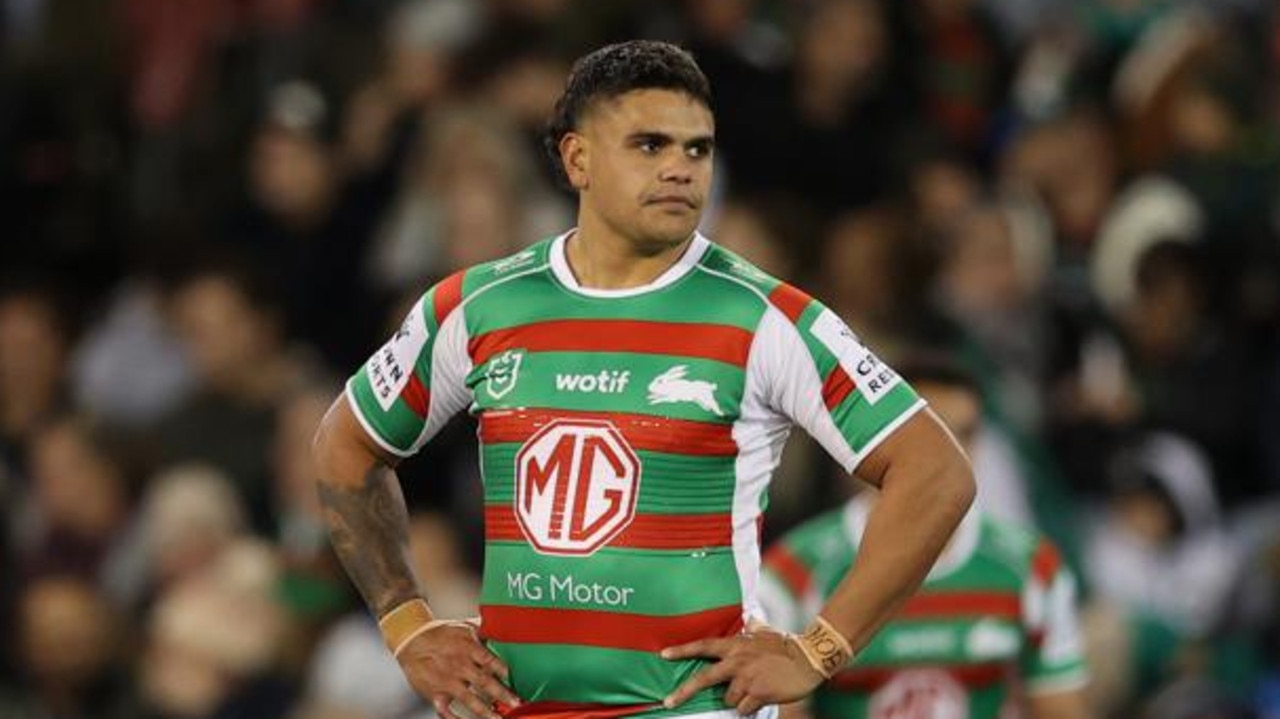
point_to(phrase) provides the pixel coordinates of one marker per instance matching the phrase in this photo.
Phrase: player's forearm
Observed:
(366, 516)
(368, 525)
(923, 498)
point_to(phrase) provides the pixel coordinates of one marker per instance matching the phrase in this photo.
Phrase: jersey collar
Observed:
(560, 267)
(961, 548)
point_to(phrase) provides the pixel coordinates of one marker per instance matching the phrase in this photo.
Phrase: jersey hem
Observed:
(367, 427)
(883, 434)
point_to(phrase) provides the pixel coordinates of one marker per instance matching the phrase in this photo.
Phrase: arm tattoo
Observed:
(369, 528)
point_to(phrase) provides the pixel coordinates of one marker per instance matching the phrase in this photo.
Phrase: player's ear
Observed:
(573, 153)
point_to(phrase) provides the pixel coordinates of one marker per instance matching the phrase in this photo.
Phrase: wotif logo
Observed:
(606, 382)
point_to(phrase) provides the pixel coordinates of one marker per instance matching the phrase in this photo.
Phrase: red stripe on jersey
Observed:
(680, 339)
(789, 569)
(448, 295)
(1045, 562)
(415, 396)
(970, 675)
(936, 605)
(642, 431)
(612, 630)
(646, 531)
(791, 301)
(572, 710)
(838, 386)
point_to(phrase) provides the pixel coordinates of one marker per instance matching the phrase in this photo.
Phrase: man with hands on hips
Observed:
(634, 384)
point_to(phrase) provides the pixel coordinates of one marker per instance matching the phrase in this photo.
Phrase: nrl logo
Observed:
(671, 386)
(513, 262)
(504, 370)
(747, 270)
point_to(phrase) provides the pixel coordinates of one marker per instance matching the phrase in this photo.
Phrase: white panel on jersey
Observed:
(1063, 641)
(450, 365)
(793, 386)
(760, 433)
(873, 378)
(392, 365)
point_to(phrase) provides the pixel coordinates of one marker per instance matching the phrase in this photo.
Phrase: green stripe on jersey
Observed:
(861, 422)
(574, 381)
(636, 581)
(571, 673)
(695, 298)
(727, 262)
(398, 426)
(669, 483)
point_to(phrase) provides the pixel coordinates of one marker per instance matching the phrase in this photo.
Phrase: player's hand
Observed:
(761, 666)
(448, 664)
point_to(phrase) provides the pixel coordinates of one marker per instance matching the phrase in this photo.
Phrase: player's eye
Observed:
(649, 146)
(698, 150)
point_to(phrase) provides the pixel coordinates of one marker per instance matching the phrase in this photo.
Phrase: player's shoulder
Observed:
(792, 301)
(453, 291)
(487, 275)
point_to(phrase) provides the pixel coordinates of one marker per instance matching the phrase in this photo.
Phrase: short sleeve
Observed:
(412, 385)
(827, 382)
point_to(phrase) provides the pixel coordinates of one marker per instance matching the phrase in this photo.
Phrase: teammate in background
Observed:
(634, 385)
(991, 633)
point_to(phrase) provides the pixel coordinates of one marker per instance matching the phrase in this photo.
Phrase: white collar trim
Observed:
(560, 267)
(961, 548)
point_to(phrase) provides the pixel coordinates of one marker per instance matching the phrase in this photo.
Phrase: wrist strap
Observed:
(402, 624)
(825, 648)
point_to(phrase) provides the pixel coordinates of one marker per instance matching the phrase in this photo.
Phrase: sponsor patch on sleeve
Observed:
(873, 378)
(392, 365)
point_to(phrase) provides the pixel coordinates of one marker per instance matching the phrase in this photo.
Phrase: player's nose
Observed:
(679, 170)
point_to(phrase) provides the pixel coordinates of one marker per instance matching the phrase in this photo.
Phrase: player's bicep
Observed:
(343, 450)
(920, 440)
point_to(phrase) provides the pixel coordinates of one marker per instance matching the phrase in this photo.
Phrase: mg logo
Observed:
(576, 486)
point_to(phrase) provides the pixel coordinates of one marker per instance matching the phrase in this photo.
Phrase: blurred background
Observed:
(214, 210)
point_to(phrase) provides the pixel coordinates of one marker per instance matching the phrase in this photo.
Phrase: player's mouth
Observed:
(677, 200)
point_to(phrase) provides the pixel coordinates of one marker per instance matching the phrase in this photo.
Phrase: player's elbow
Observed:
(966, 485)
(954, 484)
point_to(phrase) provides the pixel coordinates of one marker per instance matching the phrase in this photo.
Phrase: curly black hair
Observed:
(617, 69)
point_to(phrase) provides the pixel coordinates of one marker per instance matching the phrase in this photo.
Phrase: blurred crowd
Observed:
(215, 210)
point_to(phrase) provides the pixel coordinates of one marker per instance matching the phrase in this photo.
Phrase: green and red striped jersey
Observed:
(627, 440)
(996, 611)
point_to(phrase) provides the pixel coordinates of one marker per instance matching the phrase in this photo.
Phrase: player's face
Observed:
(642, 164)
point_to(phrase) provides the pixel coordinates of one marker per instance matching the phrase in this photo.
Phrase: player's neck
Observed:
(602, 259)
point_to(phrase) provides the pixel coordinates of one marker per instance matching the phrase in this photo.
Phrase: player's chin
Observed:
(672, 228)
